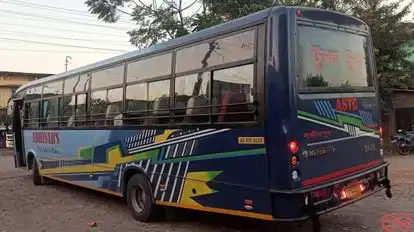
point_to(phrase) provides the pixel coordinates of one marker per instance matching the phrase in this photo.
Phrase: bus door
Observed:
(19, 157)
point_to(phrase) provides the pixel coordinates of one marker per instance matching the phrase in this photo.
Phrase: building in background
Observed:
(401, 112)
(11, 81)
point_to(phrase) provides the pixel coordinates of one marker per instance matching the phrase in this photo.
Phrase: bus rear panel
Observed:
(336, 156)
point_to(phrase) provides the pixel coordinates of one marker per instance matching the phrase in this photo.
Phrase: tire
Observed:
(140, 202)
(402, 148)
(37, 179)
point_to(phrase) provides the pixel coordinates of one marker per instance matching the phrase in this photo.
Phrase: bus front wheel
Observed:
(139, 200)
(37, 179)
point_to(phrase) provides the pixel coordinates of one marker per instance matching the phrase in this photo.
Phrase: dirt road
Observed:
(63, 208)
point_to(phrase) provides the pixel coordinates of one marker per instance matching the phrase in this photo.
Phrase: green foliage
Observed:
(162, 20)
(316, 81)
(232, 9)
(167, 19)
(106, 9)
(155, 25)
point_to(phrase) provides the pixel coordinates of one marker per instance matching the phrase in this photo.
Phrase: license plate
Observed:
(352, 192)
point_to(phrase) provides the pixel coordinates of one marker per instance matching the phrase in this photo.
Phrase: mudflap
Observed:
(312, 213)
(387, 184)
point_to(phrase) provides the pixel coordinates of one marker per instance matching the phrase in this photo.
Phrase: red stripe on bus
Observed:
(336, 174)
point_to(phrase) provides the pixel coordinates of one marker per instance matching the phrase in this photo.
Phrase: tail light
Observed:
(293, 147)
(381, 140)
(321, 194)
(343, 195)
(380, 134)
(293, 161)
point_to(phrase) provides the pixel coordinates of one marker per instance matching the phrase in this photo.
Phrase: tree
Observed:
(156, 22)
(167, 19)
(316, 81)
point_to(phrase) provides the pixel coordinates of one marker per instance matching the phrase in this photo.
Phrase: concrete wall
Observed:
(5, 94)
(402, 99)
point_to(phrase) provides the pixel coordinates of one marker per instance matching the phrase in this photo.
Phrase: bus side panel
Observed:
(225, 169)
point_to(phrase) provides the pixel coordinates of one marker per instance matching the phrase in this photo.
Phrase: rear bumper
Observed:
(307, 208)
(321, 212)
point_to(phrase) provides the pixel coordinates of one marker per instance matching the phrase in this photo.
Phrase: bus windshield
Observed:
(331, 58)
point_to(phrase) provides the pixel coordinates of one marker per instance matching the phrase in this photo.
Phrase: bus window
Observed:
(33, 114)
(137, 104)
(156, 66)
(232, 96)
(45, 106)
(76, 84)
(331, 58)
(108, 77)
(68, 111)
(50, 111)
(113, 114)
(52, 89)
(34, 93)
(54, 105)
(225, 50)
(192, 98)
(81, 110)
(159, 102)
(98, 108)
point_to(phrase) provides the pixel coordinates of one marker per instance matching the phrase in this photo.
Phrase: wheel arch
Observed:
(128, 172)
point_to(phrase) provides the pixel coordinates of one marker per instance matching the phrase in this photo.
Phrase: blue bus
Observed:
(273, 116)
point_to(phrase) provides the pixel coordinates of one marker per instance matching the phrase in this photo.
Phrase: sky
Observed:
(25, 21)
(37, 36)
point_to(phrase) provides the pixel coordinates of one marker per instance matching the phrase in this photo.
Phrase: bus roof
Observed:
(171, 44)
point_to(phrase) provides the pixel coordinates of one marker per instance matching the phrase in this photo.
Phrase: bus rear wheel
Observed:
(139, 200)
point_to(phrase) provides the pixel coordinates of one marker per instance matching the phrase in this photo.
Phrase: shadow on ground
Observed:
(179, 216)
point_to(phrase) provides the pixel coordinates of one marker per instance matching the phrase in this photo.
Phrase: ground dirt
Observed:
(63, 208)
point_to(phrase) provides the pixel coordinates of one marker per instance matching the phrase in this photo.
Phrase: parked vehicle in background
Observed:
(5, 135)
(9, 140)
(273, 116)
(404, 141)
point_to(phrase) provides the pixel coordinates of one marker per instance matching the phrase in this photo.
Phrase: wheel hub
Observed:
(138, 199)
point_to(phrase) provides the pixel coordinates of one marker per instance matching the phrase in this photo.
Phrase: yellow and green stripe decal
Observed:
(342, 119)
